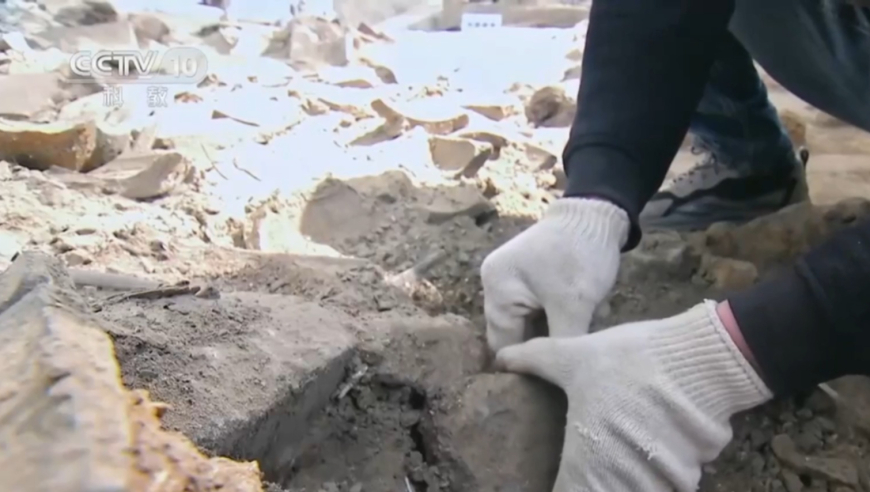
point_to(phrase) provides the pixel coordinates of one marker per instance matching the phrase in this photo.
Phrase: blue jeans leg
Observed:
(817, 49)
(735, 119)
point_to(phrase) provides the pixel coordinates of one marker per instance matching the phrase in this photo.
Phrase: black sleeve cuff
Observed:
(784, 326)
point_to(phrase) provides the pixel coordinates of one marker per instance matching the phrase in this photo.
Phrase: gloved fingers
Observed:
(546, 358)
(505, 322)
(568, 316)
(507, 305)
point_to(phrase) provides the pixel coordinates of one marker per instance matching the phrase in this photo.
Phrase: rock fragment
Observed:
(472, 436)
(358, 77)
(462, 155)
(661, 256)
(58, 361)
(310, 40)
(373, 131)
(444, 204)
(494, 111)
(386, 74)
(119, 35)
(336, 211)
(433, 115)
(836, 470)
(551, 106)
(247, 373)
(496, 139)
(143, 176)
(114, 126)
(148, 26)
(80, 12)
(792, 481)
(781, 237)
(172, 463)
(91, 434)
(66, 144)
(727, 273)
(354, 102)
(573, 73)
(35, 95)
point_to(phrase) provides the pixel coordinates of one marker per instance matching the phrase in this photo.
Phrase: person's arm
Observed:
(811, 324)
(645, 66)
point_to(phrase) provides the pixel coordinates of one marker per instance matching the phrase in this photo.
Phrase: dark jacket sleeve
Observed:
(812, 324)
(645, 66)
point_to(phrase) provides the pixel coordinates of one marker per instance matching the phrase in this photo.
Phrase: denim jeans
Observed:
(817, 49)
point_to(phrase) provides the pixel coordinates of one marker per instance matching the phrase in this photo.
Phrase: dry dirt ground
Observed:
(287, 255)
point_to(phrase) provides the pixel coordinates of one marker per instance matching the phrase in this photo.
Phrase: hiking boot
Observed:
(711, 192)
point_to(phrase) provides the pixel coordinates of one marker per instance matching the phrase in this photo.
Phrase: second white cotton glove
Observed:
(648, 403)
(565, 264)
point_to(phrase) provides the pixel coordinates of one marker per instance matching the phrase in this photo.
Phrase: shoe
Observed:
(710, 192)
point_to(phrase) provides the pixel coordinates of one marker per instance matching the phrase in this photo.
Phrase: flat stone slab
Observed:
(67, 424)
(243, 373)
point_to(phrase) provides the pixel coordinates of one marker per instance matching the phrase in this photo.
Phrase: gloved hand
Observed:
(648, 403)
(565, 264)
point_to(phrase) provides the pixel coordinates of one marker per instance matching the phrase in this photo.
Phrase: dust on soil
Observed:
(301, 349)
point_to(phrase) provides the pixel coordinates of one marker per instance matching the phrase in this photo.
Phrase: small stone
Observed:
(807, 442)
(551, 106)
(495, 111)
(459, 154)
(384, 73)
(576, 54)
(661, 256)
(78, 258)
(792, 481)
(757, 438)
(373, 131)
(434, 115)
(777, 486)
(573, 73)
(820, 402)
(836, 470)
(756, 463)
(358, 77)
(826, 424)
(728, 274)
(456, 202)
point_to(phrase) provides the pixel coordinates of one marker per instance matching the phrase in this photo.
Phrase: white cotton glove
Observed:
(648, 403)
(565, 264)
